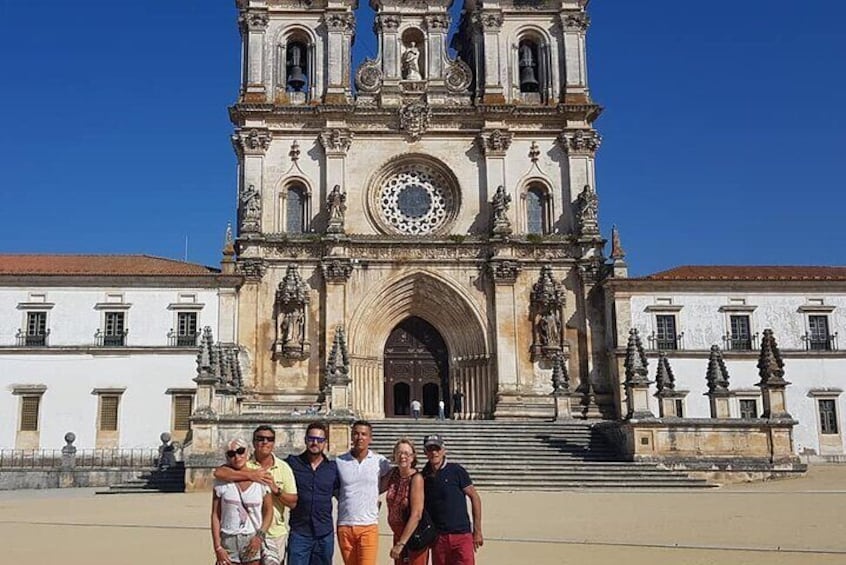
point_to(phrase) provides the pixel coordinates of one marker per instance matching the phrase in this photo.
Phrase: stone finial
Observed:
(635, 363)
(617, 251)
(294, 153)
(205, 353)
(664, 378)
(560, 376)
(770, 364)
(534, 152)
(338, 363)
(717, 374)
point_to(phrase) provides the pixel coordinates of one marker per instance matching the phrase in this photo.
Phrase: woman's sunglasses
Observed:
(233, 452)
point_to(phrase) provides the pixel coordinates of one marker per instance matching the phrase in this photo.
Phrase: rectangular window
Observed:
(818, 337)
(36, 329)
(182, 406)
(30, 406)
(828, 416)
(186, 334)
(114, 332)
(679, 407)
(748, 408)
(741, 335)
(109, 413)
(665, 332)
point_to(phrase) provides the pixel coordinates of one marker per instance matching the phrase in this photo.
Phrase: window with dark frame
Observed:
(819, 338)
(828, 416)
(741, 334)
(114, 333)
(295, 210)
(666, 337)
(679, 408)
(182, 407)
(109, 413)
(748, 408)
(186, 330)
(36, 329)
(30, 406)
(536, 211)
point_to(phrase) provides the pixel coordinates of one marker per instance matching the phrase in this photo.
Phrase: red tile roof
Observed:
(749, 273)
(99, 265)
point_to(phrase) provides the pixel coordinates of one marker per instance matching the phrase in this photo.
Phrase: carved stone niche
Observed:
(547, 307)
(291, 313)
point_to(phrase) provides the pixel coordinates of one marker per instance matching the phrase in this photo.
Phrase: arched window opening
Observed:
(296, 66)
(295, 210)
(529, 63)
(537, 211)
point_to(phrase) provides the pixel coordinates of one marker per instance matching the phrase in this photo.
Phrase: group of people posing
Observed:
(252, 490)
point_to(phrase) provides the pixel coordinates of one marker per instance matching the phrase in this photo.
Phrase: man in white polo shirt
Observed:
(359, 471)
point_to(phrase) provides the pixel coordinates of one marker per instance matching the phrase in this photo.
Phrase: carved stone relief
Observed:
(547, 306)
(292, 298)
(414, 119)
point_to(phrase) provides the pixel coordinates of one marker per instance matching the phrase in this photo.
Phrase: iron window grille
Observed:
(665, 337)
(819, 337)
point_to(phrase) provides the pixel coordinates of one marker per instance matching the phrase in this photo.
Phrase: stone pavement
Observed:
(799, 521)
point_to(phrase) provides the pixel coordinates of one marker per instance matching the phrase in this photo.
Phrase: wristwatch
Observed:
(261, 534)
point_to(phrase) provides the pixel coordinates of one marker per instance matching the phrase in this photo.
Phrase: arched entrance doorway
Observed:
(416, 367)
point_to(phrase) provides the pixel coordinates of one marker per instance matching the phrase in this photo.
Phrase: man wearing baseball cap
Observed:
(446, 487)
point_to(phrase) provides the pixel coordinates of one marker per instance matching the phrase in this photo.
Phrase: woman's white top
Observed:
(238, 517)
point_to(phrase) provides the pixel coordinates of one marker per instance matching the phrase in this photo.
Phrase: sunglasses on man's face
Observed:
(264, 439)
(431, 448)
(233, 452)
(315, 439)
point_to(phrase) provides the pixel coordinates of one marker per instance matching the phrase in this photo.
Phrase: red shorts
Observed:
(453, 549)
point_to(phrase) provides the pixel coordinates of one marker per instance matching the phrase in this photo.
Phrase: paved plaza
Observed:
(800, 521)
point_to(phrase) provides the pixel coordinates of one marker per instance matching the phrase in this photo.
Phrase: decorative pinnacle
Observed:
(717, 375)
(560, 377)
(228, 244)
(770, 364)
(534, 152)
(664, 379)
(617, 251)
(636, 363)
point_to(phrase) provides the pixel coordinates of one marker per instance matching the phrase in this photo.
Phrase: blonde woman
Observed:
(405, 503)
(241, 513)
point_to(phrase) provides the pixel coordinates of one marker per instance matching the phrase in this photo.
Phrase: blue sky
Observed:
(723, 127)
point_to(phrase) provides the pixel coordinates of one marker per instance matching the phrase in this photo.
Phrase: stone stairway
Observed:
(507, 455)
(152, 480)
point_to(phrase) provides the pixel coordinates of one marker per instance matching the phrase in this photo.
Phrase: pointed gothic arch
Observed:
(449, 309)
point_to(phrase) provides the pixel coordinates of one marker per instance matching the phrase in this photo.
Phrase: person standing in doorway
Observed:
(360, 471)
(415, 409)
(441, 409)
(312, 537)
(457, 404)
(266, 468)
(446, 487)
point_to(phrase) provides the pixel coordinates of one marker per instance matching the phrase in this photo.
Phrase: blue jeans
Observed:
(307, 550)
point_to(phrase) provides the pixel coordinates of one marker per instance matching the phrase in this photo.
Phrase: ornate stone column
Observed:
(637, 383)
(488, 26)
(493, 145)
(580, 146)
(575, 25)
(504, 274)
(437, 26)
(250, 146)
(336, 142)
(718, 384)
(773, 385)
(253, 23)
(340, 26)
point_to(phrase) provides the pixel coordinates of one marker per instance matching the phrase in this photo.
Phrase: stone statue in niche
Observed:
(292, 299)
(549, 330)
(588, 211)
(336, 206)
(499, 208)
(251, 210)
(293, 328)
(547, 306)
(411, 63)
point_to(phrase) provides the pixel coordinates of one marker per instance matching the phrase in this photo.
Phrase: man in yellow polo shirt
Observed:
(264, 467)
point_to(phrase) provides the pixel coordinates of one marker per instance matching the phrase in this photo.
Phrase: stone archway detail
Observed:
(448, 308)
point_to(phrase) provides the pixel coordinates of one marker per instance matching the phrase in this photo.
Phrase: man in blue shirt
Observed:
(312, 537)
(447, 486)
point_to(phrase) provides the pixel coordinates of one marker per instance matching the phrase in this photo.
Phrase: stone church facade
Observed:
(441, 216)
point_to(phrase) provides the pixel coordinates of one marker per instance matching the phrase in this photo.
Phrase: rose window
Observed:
(415, 200)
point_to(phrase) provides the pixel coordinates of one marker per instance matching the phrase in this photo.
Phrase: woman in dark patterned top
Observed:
(405, 503)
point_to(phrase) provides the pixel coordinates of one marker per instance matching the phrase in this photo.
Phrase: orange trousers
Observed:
(359, 545)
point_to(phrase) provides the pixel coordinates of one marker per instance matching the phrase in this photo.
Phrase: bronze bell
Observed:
(528, 80)
(296, 78)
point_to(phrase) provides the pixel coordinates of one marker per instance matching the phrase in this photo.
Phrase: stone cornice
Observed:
(190, 351)
(634, 285)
